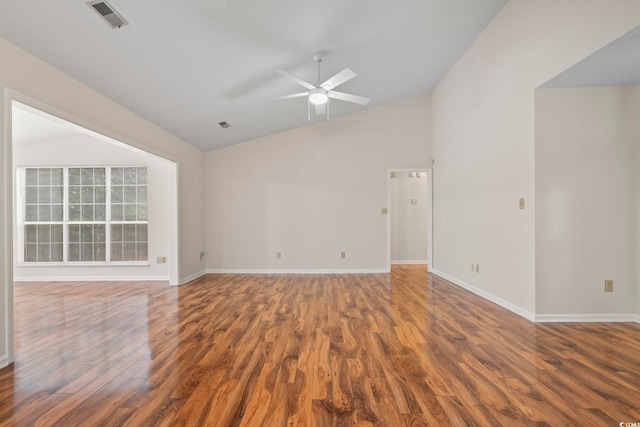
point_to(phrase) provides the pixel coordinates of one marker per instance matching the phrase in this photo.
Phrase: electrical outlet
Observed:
(521, 202)
(477, 268)
(278, 255)
(201, 255)
(343, 254)
(608, 285)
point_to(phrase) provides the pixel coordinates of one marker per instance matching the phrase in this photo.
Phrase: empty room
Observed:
(285, 213)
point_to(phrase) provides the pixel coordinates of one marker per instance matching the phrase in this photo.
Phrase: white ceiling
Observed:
(29, 126)
(617, 64)
(187, 65)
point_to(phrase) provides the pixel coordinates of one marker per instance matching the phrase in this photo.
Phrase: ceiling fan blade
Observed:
(335, 81)
(295, 95)
(349, 98)
(321, 109)
(296, 79)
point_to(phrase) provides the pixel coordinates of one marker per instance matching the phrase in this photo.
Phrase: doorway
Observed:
(410, 223)
(56, 132)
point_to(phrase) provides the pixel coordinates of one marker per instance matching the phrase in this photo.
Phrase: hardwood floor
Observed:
(309, 350)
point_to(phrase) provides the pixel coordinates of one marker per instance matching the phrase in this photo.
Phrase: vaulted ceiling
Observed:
(617, 64)
(187, 65)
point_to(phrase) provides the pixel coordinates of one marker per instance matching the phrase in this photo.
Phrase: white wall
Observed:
(585, 202)
(83, 150)
(409, 234)
(313, 192)
(484, 120)
(22, 73)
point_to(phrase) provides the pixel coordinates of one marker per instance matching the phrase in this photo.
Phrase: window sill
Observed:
(85, 264)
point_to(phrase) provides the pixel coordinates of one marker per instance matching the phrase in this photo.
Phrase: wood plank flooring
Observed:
(406, 349)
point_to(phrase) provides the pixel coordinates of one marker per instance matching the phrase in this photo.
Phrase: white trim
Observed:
(174, 224)
(8, 201)
(191, 277)
(86, 127)
(90, 278)
(488, 296)
(4, 361)
(295, 271)
(414, 261)
(542, 318)
(429, 172)
(583, 318)
(76, 264)
(11, 95)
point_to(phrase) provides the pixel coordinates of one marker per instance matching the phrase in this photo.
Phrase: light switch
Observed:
(521, 202)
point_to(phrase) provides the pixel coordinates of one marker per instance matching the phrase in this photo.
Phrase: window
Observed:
(43, 215)
(84, 214)
(128, 214)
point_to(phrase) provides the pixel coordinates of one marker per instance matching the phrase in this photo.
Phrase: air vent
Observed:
(224, 125)
(108, 13)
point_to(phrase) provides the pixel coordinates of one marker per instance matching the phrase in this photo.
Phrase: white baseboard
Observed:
(4, 361)
(488, 296)
(89, 278)
(295, 271)
(570, 318)
(542, 318)
(414, 261)
(192, 277)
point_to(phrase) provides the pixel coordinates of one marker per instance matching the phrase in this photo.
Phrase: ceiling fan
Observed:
(319, 94)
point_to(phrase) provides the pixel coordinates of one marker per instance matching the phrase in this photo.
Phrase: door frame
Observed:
(10, 96)
(429, 173)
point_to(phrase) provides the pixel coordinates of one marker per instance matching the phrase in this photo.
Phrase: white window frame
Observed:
(21, 223)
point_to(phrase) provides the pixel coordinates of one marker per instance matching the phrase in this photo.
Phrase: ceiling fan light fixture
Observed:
(318, 96)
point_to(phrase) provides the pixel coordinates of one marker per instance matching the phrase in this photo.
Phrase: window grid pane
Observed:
(129, 194)
(43, 195)
(43, 243)
(129, 242)
(43, 228)
(87, 242)
(87, 189)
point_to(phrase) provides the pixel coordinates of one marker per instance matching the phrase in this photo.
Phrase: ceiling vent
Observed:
(224, 125)
(108, 13)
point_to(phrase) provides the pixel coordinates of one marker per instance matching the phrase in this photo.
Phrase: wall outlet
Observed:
(343, 254)
(278, 255)
(608, 285)
(477, 268)
(201, 255)
(521, 202)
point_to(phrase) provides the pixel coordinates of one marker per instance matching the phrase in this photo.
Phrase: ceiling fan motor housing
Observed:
(318, 96)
